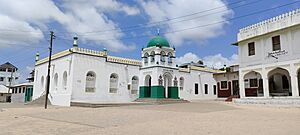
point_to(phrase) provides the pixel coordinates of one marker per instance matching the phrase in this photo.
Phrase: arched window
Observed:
(160, 81)
(152, 56)
(65, 80)
(113, 87)
(170, 56)
(55, 81)
(42, 83)
(181, 83)
(90, 82)
(134, 85)
(175, 82)
(162, 56)
(146, 55)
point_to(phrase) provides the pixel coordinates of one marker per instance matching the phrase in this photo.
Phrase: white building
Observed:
(228, 82)
(8, 74)
(82, 75)
(5, 94)
(269, 55)
(22, 93)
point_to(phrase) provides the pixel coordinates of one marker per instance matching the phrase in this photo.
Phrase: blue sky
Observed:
(25, 27)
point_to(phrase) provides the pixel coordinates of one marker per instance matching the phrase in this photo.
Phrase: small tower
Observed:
(158, 53)
(37, 56)
(75, 41)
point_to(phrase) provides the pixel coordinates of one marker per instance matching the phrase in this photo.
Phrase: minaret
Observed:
(75, 42)
(37, 56)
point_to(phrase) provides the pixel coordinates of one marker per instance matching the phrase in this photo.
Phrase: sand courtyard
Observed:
(201, 117)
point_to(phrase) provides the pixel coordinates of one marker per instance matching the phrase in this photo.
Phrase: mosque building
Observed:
(90, 76)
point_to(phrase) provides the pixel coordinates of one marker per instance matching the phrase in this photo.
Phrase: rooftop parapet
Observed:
(286, 20)
(124, 60)
(91, 53)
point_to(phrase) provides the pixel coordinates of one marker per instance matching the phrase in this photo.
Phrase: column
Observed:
(294, 81)
(265, 83)
(242, 84)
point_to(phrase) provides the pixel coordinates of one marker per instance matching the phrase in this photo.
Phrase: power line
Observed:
(201, 26)
(142, 24)
(165, 22)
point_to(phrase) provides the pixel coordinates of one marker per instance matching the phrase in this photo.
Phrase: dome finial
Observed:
(157, 31)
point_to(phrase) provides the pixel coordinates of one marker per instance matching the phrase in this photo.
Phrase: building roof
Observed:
(158, 41)
(8, 65)
(24, 84)
(3, 89)
(281, 22)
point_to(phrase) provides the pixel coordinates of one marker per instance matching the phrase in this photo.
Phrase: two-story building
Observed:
(8, 74)
(269, 58)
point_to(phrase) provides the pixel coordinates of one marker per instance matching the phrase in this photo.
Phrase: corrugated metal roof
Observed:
(8, 65)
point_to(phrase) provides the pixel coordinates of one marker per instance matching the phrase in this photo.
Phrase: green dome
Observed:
(158, 41)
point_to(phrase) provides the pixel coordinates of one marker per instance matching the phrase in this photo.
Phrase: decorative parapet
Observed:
(276, 23)
(184, 69)
(205, 69)
(73, 50)
(55, 56)
(124, 60)
(89, 52)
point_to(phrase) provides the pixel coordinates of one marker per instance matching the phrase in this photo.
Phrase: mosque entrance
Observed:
(167, 83)
(145, 91)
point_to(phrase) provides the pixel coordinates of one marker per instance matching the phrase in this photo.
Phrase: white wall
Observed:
(103, 70)
(263, 45)
(18, 98)
(58, 95)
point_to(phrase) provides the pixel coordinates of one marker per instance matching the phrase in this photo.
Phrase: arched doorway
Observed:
(148, 81)
(279, 82)
(253, 83)
(167, 82)
(145, 91)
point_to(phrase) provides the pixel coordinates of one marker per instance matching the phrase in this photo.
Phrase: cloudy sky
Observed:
(199, 29)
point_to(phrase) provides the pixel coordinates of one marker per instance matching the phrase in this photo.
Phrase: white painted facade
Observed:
(6, 73)
(116, 80)
(268, 63)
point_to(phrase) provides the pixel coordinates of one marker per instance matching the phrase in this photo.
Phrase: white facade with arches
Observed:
(89, 76)
(270, 58)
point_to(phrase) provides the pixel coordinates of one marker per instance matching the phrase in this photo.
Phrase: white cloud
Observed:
(214, 61)
(186, 58)
(161, 10)
(75, 16)
(218, 61)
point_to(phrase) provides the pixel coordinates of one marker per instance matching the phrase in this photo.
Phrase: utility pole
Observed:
(49, 66)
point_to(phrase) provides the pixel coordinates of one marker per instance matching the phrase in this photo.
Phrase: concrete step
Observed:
(161, 100)
(97, 105)
(143, 101)
(39, 101)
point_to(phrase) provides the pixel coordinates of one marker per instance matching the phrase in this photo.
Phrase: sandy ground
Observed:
(197, 118)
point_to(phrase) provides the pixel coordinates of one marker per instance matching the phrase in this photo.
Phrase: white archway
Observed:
(134, 85)
(167, 82)
(253, 84)
(147, 81)
(65, 80)
(279, 82)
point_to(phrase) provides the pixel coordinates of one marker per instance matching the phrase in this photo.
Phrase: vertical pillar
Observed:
(242, 84)
(294, 80)
(265, 83)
